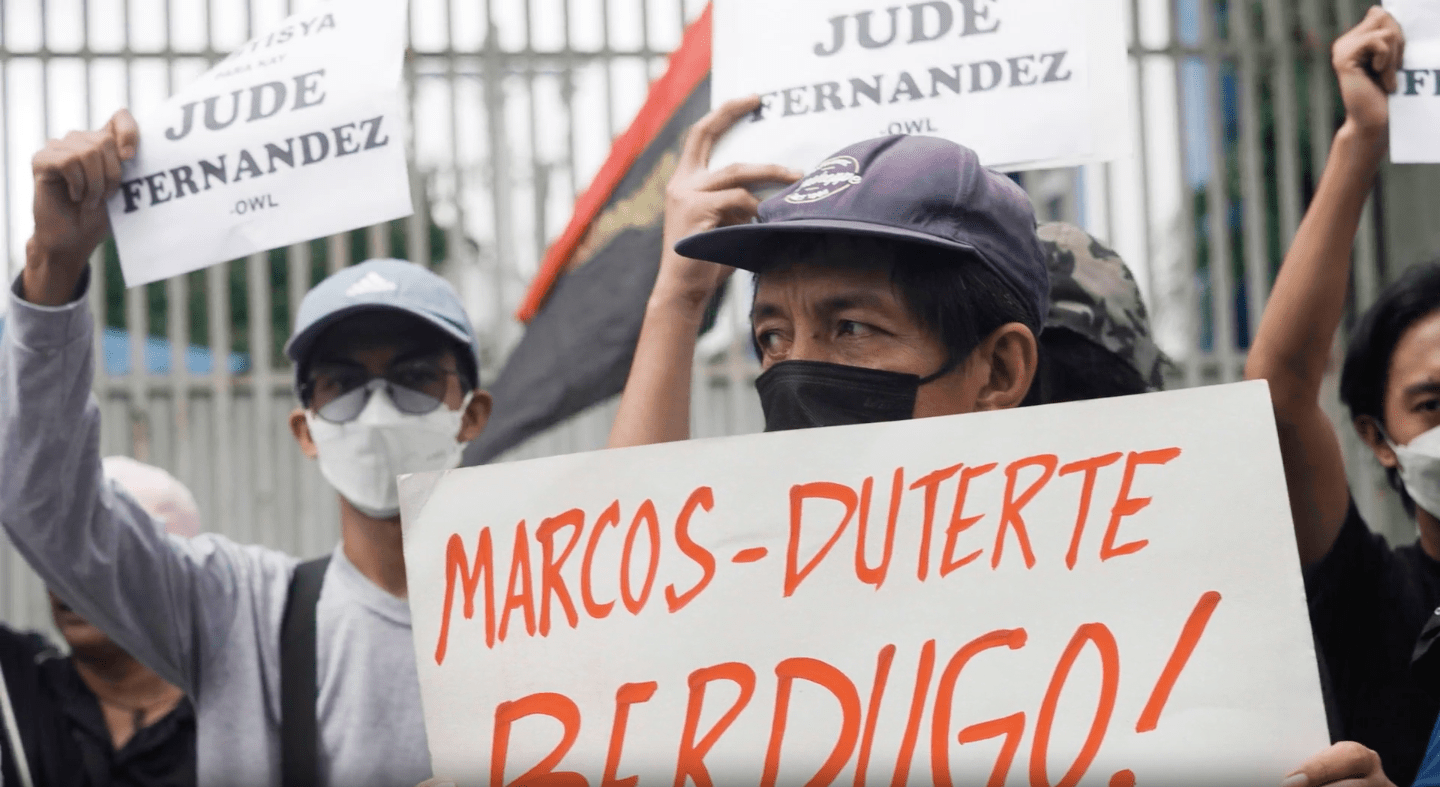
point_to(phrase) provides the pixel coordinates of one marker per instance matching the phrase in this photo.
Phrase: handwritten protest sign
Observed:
(1415, 107)
(295, 135)
(1103, 593)
(1025, 83)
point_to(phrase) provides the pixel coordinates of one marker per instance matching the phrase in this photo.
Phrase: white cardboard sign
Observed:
(296, 135)
(1415, 107)
(1098, 593)
(1026, 84)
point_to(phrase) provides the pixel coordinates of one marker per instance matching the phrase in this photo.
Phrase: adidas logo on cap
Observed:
(370, 284)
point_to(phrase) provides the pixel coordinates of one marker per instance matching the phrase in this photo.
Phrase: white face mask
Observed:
(1420, 468)
(363, 457)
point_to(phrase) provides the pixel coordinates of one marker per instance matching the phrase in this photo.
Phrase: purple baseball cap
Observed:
(910, 188)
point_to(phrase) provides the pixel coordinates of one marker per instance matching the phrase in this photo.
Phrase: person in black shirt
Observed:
(1368, 601)
(99, 718)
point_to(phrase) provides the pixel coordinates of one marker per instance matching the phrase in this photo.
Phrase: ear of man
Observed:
(1370, 431)
(301, 430)
(477, 414)
(1009, 357)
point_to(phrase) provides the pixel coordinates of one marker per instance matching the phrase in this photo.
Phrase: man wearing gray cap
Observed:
(300, 674)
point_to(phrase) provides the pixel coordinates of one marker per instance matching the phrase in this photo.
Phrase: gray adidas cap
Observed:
(380, 284)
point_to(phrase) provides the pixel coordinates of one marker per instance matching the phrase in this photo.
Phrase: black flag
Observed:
(585, 307)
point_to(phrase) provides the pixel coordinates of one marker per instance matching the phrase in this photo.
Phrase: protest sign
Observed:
(295, 135)
(1103, 592)
(1415, 107)
(1024, 83)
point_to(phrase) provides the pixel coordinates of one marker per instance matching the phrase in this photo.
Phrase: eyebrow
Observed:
(405, 356)
(1427, 387)
(829, 305)
(858, 299)
(421, 354)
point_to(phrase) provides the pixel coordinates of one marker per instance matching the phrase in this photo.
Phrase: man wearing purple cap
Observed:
(301, 674)
(899, 279)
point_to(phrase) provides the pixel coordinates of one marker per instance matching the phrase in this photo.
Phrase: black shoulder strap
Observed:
(299, 729)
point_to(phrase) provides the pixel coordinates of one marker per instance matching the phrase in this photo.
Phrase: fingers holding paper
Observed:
(1346, 764)
(73, 178)
(698, 199)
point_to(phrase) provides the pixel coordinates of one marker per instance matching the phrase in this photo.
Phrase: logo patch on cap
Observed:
(370, 284)
(830, 178)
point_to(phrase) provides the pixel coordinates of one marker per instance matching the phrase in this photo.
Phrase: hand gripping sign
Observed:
(1024, 83)
(295, 135)
(1098, 593)
(1415, 106)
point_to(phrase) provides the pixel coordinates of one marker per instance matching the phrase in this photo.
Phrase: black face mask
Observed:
(804, 394)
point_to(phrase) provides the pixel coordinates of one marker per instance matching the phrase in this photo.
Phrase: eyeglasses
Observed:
(340, 395)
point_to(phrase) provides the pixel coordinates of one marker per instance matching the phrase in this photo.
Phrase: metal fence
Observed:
(514, 104)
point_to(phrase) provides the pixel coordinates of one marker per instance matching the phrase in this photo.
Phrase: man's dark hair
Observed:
(1073, 368)
(950, 293)
(1366, 374)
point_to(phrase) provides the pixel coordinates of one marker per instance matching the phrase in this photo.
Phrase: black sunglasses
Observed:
(414, 389)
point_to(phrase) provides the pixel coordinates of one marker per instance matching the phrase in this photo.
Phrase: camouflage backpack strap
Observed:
(1093, 294)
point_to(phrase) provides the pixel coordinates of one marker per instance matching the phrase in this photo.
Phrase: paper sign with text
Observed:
(1415, 107)
(1098, 593)
(1024, 83)
(296, 135)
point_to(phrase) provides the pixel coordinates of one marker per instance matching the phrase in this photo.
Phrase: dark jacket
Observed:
(63, 729)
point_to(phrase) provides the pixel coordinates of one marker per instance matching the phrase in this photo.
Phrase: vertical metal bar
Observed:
(1257, 257)
(177, 303)
(608, 59)
(137, 322)
(539, 171)
(377, 240)
(303, 520)
(645, 36)
(297, 258)
(1277, 32)
(297, 511)
(417, 237)
(1317, 60)
(177, 296)
(1107, 171)
(456, 250)
(337, 249)
(1144, 160)
(1186, 262)
(262, 510)
(493, 88)
(1222, 307)
(417, 227)
(217, 303)
(567, 94)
